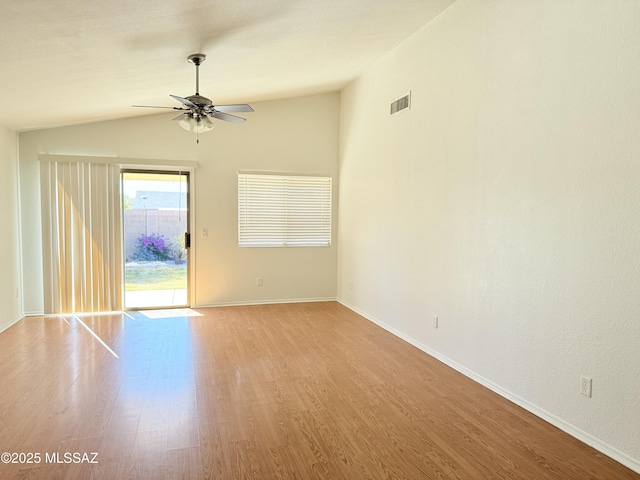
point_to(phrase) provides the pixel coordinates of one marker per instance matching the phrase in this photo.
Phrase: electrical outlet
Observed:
(585, 386)
(259, 281)
(435, 321)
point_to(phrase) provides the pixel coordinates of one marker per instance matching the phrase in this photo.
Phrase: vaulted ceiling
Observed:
(65, 62)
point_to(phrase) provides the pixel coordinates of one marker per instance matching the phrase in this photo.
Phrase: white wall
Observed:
(506, 201)
(10, 280)
(297, 135)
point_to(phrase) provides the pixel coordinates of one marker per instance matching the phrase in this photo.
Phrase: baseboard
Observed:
(9, 324)
(602, 447)
(267, 302)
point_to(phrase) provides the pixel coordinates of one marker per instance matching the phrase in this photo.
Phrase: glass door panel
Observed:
(155, 239)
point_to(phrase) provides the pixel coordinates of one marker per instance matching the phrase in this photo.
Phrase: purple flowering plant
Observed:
(151, 247)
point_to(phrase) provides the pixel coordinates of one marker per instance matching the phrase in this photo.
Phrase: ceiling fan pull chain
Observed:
(180, 196)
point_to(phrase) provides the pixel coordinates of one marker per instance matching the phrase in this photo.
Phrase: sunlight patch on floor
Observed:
(169, 313)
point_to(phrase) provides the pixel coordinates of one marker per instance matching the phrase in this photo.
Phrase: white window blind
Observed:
(81, 237)
(284, 211)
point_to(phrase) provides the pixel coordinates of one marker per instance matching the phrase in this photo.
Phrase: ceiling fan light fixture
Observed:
(196, 124)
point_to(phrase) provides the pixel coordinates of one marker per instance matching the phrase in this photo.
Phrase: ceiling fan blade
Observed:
(155, 106)
(184, 101)
(227, 118)
(240, 107)
(179, 117)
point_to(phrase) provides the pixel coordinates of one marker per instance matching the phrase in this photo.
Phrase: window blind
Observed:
(284, 211)
(82, 257)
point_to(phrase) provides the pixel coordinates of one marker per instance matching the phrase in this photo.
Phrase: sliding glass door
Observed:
(155, 239)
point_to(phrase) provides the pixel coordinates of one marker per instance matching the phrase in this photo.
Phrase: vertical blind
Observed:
(81, 237)
(284, 211)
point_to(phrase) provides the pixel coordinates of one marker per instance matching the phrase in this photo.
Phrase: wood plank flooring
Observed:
(297, 391)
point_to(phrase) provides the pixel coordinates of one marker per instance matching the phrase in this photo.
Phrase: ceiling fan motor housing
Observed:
(199, 100)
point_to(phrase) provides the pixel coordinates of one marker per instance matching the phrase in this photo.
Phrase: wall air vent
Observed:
(403, 103)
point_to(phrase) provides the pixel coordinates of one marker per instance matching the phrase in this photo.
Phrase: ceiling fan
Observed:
(199, 110)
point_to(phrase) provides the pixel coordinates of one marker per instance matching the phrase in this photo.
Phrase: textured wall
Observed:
(506, 202)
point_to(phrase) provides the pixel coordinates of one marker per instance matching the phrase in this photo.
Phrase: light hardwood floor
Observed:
(298, 391)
